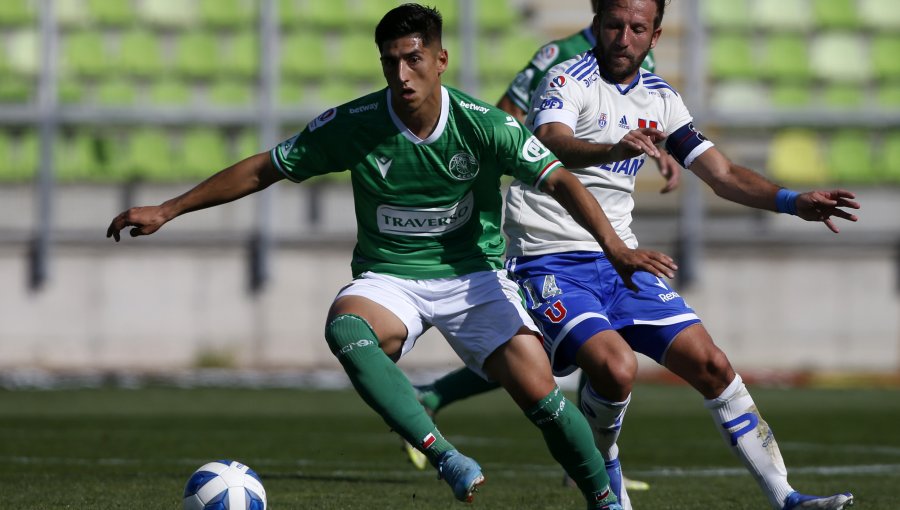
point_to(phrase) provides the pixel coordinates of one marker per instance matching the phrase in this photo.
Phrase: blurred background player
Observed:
(429, 248)
(597, 112)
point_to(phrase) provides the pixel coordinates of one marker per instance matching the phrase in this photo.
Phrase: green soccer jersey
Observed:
(526, 82)
(424, 208)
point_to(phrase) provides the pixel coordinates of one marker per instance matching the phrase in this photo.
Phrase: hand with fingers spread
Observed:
(823, 205)
(627, 261)
(637, 142)
(143, 220)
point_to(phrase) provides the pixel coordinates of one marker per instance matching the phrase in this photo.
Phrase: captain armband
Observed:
(686, 143)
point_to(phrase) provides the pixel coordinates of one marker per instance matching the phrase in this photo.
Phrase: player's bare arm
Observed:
(578, 153)
(578, 201)
(744, 186)
(243, 178)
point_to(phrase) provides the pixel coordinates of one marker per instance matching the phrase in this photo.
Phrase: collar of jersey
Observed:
(438, 130)
(622, 89)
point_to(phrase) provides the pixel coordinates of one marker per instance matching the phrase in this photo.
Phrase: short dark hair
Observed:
(602, 5)
(410, 19)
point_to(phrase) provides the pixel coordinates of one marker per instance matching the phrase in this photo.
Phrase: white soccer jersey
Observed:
(575, 93)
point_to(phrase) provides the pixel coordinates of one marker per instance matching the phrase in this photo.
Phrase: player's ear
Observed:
(653, 39)
(442, 60)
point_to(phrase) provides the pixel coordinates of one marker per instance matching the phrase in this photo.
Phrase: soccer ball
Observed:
(224, 485)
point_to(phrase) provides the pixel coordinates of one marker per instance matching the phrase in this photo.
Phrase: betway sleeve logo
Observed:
(409, 221)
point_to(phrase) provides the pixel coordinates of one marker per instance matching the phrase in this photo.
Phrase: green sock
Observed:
(456, 385)
(569, 438)
(382, 385)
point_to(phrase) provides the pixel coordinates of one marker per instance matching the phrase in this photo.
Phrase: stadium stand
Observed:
(889, 157)
(796, 157)
(850, 157)
(835, 14)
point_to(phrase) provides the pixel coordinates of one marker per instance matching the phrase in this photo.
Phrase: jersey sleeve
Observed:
(310, 152)
(684, 142)
(521, 88)
(522, 154)
(558, 98)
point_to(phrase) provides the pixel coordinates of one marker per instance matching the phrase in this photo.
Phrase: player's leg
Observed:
(457, 385)
(522, 368)
(695, 358)
(367, 337)
(611, 367)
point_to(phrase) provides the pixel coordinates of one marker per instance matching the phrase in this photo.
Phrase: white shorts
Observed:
(476, 313)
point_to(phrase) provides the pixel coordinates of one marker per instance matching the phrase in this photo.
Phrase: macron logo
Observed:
(473, 106)
(384, 164)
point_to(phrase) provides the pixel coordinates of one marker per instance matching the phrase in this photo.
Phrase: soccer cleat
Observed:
(634, 485)
(461, 473)
(417, 458)
(797, 501)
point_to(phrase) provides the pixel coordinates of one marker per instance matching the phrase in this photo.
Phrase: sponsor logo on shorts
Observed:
(556, 312)
(410, 221)
(665, 298)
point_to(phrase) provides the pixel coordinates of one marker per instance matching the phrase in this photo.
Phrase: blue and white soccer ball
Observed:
(224, 485)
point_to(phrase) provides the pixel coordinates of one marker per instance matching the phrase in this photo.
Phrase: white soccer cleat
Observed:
(797, 501)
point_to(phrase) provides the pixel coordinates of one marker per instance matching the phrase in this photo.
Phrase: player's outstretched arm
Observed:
(577, 153)
(578, 201)
(243, 178)
(744, 186)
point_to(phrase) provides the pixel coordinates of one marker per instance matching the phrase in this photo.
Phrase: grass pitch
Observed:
(135, 449)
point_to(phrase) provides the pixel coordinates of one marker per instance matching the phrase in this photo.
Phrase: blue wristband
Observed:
(786, 201)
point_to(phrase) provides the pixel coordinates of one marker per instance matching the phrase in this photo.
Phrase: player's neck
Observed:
(423, 119)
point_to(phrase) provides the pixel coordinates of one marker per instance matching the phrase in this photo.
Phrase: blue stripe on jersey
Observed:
(654, 82)
(584, 66)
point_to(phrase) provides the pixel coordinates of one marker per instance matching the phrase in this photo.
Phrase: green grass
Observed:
(134, 449)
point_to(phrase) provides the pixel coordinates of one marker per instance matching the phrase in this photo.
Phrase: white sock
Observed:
(750, 438)
(605, 418)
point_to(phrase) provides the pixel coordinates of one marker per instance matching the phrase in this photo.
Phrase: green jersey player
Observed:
(425, 165)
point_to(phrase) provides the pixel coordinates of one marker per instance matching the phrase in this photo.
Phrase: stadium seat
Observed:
(17, 13)
(731, 56)
(889, 157)
(840, 57)
(835, 14)
(335, 92)
(738, 95)
(21, 161)
(290, 93)
(71, 14)
(227, 14)
(76, 158)
(246, 144)
(203, 152)
(367, 13)
(850, 157)
(290, 14)
(888, 95)
(242, 59)
(795, 157)
(786, 58)
(886, 56)
(357, 58)
(303, 55)
(775, 15)
(111, 13)
(790, 95)
(513, 51)
(168, 14)
(84, 54)
(879, 14)
(23, 51)
(843, 95)
(496, 15)
(16, 90)
(147, 155)
(140, 54)
(116, 92)
(70, 91)
(197, 55)
(170, 92)
(6, 155)
(327, 15)
(726, 15)
(234, 93)
(449, 10)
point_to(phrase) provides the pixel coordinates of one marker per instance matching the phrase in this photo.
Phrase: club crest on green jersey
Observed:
(463, 166)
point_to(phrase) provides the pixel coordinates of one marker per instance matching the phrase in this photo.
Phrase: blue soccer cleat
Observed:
(461, 473)
(797, 501)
